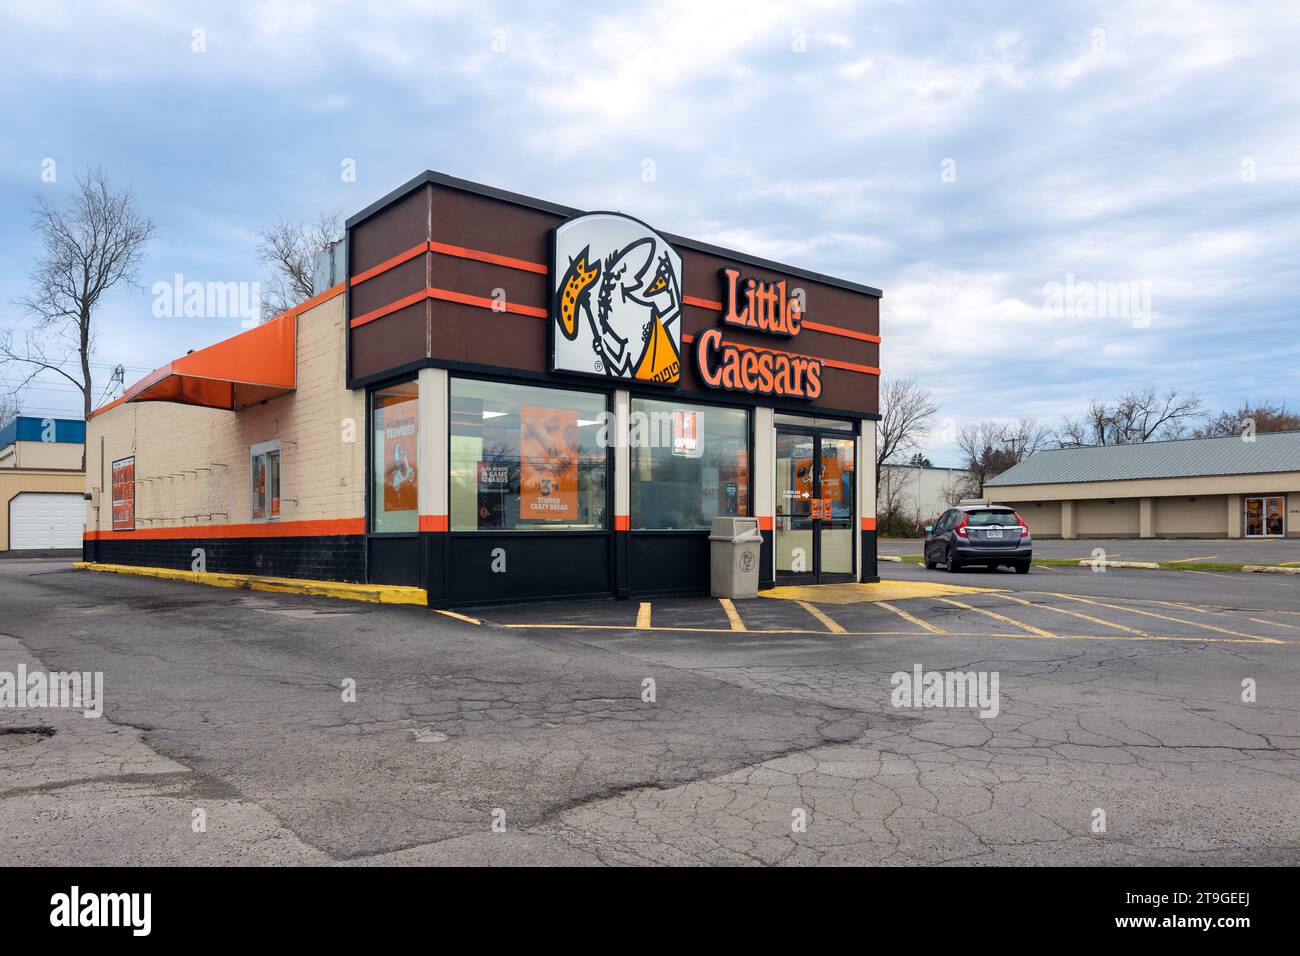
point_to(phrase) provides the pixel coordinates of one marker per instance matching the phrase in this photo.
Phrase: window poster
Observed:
(548, 464)
(686, 433)
(400, 436)
(124, 494)
(493, 487)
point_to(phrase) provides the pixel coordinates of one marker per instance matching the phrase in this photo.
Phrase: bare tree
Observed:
(289, 249)
(990, 448)
(9, 409)
(86, 250)
(905, 409)
(1259, 418)
(1140, 416)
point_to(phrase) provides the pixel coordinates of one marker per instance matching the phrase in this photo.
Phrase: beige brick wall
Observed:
(1206, 517)
(1043, 518)
(1104, 519)
(321, 476)
(41, 454)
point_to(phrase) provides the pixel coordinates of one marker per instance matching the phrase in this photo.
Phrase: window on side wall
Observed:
(265, 480)
(394, 465)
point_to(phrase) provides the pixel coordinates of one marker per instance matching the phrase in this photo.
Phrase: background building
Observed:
(1191, 488)
(42, 484)
(918, 494)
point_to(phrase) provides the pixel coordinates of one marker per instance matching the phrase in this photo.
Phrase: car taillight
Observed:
(961, 528)
(1024, 528)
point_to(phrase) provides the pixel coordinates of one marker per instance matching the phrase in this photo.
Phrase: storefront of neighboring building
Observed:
(1193, 488)
(42, 485)
(508, 399)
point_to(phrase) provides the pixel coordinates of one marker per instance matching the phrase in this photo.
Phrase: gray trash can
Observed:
(734, 545)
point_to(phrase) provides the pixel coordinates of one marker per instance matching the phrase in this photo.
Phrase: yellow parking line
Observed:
(908, 617)
(1084, 617)
(1260, 620)
(1163, 617)
(1046, 567)
(1021, 636)
(459, 617)
(1204, 557)
(998, 617)
(817, 612)
(732, 615)
(643, 616)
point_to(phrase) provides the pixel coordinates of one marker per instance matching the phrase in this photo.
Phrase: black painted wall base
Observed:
(326, 558)
(870, 566)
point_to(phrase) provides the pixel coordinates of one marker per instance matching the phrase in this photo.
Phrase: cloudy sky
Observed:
(973, 165)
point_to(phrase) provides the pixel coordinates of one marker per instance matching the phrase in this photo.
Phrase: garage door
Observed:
(40, 520)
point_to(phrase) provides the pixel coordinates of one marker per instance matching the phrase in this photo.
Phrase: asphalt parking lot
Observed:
(687, 731)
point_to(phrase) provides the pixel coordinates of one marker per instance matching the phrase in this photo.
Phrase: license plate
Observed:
(994, 533)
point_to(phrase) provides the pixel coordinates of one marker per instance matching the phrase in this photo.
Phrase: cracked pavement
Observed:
(231, 703)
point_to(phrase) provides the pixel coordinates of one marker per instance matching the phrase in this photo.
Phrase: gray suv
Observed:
(978, 534)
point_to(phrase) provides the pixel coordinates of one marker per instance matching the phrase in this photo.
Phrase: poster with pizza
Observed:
(124, 494)
(401, 433)
(548, 464)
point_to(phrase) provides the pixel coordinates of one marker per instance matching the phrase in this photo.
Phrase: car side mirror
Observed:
(929, 528)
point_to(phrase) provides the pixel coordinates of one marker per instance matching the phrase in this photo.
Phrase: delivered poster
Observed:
(401, 433)
(548, 464)
(124, 494)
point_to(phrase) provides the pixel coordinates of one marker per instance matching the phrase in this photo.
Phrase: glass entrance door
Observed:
(815, 506)
(1265, 517)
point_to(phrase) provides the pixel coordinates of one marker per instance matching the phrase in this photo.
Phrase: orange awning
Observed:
(241, 371)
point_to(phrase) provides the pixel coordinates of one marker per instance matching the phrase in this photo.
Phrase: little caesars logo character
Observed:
(633, 328)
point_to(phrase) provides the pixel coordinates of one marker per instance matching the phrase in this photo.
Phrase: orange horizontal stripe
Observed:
(261, 529)
(622, 522)
(479, 256)
(392, 307)
(434, 523)
(847, 366)
(764, 522)
(702, 303)
(447, 295)
(810, 326)
(392, 263)
(846, 333)
(852, 367)
(868, 524)
(485, 303)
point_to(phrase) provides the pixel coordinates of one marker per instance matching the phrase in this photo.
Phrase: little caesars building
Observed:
(505, 399)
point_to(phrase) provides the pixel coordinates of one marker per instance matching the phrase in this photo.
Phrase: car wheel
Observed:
(930, 565)
(953, 564)
(1022, 567)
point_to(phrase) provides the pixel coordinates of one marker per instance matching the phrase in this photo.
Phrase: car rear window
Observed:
(981, 518)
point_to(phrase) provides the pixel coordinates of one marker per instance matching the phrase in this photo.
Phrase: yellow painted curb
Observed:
(373, 593)
(860, 593)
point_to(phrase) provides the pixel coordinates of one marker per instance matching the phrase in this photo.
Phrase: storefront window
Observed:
(264, 472)
(526, 458)
(690, 464)
(394, 449)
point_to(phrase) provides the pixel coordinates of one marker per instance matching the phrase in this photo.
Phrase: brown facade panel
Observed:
(474, 336)
(490, 225)
(489, 248)
(391, 342)
(388, 287)
(400, 226)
